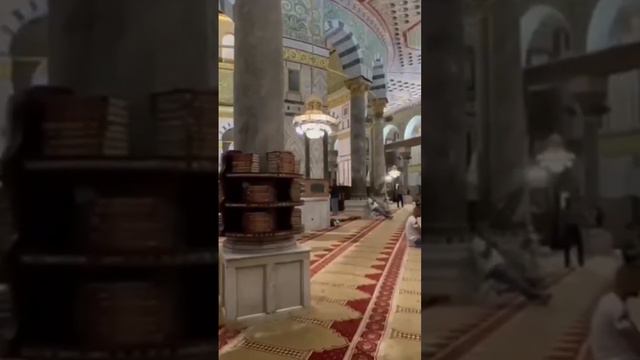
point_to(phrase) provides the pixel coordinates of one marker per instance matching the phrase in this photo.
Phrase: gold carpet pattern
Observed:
(365, 301)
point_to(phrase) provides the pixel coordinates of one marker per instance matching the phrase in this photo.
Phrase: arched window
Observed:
(226, 48)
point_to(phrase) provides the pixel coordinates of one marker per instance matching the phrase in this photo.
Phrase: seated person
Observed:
(378, 210)
(494, 268)
(613, 333)
(413, 227)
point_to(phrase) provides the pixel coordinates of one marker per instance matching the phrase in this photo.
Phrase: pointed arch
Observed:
(390, 133)
(538, 29)
(340, 38)
(379, 86)
(414, 127)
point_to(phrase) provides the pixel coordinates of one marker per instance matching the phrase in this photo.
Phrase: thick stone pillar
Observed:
(130, 49)
(589, 96)
(444, 186)
(405, 158)
(258, 77)
(358, 88)
(505, 142)
(379, 168)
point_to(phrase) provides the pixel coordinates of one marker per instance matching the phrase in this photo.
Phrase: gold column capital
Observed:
(378, 106)
(358, 86)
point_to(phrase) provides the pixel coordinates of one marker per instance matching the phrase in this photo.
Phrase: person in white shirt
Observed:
(614, 336)
(493, 267)
(413, 227)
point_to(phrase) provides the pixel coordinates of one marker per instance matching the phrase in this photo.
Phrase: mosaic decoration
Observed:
(302, 20)
(369, 42)
(305, 58)
(369, 16)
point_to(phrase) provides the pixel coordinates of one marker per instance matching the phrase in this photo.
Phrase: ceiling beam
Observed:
(403, 143)
(617, 59)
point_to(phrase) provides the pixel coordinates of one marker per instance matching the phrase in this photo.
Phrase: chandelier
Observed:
(314, 123)
(394, 173)
(555, 158)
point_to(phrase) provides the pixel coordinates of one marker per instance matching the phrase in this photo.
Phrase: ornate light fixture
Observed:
(394, 173)
(555, 158)
(314, 123)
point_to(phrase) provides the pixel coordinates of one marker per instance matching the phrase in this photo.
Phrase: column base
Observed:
(256, 286)
(359, 208)
(316, 213)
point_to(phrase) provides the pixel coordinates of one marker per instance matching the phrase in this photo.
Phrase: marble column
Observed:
(505, 136)
(358, 87)
(258, 77)
(589, 96)
(130, 49)
(443, 175)
(379, 168)
(405, 157)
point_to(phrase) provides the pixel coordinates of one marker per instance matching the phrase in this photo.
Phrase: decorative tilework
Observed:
(302, 20)
(278, 350)
(306, 58)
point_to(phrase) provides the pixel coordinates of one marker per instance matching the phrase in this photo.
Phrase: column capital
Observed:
(378, 105)
(358, 86)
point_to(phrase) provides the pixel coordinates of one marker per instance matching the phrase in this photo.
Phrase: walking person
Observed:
(571, 235)
(614, 336)
(399, 199)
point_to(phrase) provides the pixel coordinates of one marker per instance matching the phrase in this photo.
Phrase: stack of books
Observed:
(258, 222)
(121, 225)
(281, 162)
(296, 218)
(245, 163)
(259, 194)
(125, 313)
(186, 123)
(85, 127)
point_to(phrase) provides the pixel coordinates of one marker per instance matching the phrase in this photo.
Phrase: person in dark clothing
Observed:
(400, 200)
(572, 235)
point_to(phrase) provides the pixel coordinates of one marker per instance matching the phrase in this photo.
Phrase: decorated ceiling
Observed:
(397, 24)
(384, 29)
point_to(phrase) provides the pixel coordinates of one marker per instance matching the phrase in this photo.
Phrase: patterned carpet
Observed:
(365, 291)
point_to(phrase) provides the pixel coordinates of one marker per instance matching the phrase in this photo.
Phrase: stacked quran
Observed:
(259, 207)
(281, 162)
(186, 123)
(85, 127)
(113, 256)
(114, 315)
(244, 163)
(131, 224)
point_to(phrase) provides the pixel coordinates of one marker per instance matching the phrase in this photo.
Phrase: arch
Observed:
(604, 19)
(379, 85)
(339, 37)
(390, 132)
(27, 11)
(413, 128)
(224, 127)
(538, 25)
